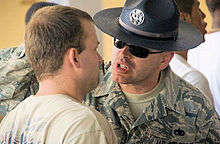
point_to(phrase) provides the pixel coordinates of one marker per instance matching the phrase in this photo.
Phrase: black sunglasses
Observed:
(134, 50)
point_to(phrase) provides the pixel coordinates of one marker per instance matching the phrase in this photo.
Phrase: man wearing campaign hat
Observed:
(143, 100)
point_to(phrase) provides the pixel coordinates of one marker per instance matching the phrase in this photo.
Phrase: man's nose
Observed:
(125, 51)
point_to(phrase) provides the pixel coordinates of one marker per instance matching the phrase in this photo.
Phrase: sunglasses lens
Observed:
(119, 44)
(134, 50)
(138, 51)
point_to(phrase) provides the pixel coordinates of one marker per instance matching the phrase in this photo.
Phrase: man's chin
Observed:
(120, 80)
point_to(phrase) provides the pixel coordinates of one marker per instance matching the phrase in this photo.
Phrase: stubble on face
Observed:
(143, 72)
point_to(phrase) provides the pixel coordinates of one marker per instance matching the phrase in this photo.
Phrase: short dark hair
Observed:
(36, 6)
(213, 5)
(49, 34)
(185, 5)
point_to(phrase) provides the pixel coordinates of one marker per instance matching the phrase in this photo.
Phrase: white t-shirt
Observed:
(206, 58)
(184, 70)
(55, 119)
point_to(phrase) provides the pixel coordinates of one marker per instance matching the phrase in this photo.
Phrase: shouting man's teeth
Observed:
(123, 66)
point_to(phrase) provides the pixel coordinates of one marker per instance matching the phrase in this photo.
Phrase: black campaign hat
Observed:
(152, 24)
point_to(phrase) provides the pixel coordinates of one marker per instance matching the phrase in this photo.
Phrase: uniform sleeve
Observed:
(17, 79)
(208, 124)
(214, 130)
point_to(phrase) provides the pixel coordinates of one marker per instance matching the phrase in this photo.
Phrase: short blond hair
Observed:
(49, 34)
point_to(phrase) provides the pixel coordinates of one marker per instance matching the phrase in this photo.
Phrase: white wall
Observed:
(61, 2)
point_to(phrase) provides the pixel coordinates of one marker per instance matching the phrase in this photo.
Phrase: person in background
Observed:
(17, 79)
(61, 46)
(206, 58)
(190, 12)
(140, 96)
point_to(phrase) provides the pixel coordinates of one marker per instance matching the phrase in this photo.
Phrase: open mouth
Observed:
(122, 66)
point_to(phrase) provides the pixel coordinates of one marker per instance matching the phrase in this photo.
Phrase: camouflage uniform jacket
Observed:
(17, 80)
(178, 114)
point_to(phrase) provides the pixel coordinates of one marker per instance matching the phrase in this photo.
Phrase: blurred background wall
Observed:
(12, 13)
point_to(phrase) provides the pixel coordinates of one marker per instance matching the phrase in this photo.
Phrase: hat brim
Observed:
(188, 36)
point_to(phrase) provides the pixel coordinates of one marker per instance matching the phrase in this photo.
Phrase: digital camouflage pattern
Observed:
(179, 114)
(17, 79)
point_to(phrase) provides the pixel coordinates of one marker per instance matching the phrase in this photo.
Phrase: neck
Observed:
(57, 85)
(216, 19)
(141, 87)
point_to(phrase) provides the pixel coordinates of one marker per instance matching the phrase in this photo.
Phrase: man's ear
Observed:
(165, 60)
(74, 57)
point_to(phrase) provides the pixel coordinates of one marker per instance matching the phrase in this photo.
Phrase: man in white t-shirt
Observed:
(61, 45)
(190, 12)
(206, 57)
